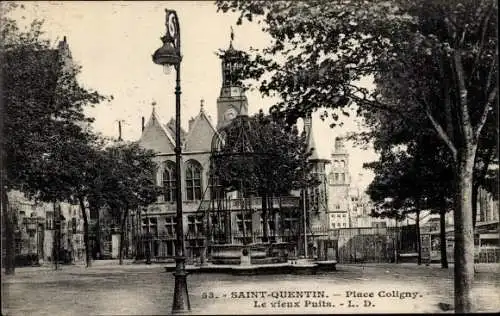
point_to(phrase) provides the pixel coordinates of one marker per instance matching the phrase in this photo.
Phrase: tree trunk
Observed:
(98, 239)
(265, 232)
(475, 195)
(10, 241)
(419, 246)
(56, 247)
(442, 235)
(464, 236)
(122, 235)
(88, 257)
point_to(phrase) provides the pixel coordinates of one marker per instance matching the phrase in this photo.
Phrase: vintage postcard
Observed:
(249, 157)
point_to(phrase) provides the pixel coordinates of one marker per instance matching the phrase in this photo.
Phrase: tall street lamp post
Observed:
(170, 55)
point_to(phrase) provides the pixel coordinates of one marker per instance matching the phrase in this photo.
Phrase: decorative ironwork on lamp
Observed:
(170, 55)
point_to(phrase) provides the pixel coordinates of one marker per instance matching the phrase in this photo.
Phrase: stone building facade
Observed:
(241, 227)
(41, 228)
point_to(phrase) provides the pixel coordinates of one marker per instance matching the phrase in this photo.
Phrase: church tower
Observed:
(338, 186)
(232, 100)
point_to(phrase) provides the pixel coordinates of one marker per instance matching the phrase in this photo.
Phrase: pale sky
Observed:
(114, 41)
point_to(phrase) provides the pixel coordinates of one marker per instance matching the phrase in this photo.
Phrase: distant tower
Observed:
(338, 186)
(340, 167)
(232, 100)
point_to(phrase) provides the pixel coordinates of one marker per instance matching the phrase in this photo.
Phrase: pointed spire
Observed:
(311, 144)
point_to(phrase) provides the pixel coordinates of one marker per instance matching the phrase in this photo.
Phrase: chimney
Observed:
(142, 125)
(119, 130)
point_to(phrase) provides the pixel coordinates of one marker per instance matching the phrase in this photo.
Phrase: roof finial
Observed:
(202, 104)
(232, 38)
(153, 104)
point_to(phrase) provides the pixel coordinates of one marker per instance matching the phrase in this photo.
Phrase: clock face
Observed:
(172, 25)
(230, 114)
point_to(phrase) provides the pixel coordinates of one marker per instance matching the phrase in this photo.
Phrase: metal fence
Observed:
(367, 245)
(347, 245)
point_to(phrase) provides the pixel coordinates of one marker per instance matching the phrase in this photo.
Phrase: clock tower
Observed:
(232, 100)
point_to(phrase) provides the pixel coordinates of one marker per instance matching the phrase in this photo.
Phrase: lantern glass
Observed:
(167, 69)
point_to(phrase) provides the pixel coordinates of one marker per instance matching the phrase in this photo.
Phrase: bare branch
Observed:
(465, 123)
(439, 129)
(491, 98)
(442, 134)
(375, 104)
(446, 96)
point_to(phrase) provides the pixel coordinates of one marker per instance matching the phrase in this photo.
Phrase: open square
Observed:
(148, 290)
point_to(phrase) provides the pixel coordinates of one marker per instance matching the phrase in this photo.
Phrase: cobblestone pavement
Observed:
(140, 289)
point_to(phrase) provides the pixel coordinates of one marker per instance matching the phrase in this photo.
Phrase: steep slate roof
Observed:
(201, 132)
(156, 137)
(311, 144)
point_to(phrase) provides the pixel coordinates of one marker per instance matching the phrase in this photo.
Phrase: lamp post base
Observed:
(181, 297)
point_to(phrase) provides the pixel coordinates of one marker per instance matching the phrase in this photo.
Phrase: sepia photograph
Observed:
(243, 157)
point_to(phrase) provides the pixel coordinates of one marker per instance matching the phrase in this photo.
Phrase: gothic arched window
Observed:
(193, 180)
(168, 181)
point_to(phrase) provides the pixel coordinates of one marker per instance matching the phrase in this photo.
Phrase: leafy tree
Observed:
(413, 128)
(441, 55)
(73, 173)
(262, 156)
(43, 104)
(130, 182)
(415, 180)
